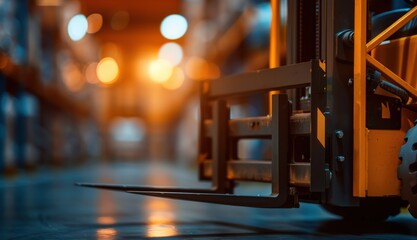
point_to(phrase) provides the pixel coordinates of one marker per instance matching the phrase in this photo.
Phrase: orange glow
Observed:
(91, 74)
(72, 77)
(161, 230)
(120, 20)
(106, 233)
(107, 70)
(106, 220)
(176, 80)
(160, 70)
(110, 49)
(161, 219)
(161, 212)
(95, 22)
(4, 61)
(49, 3)
(200, 69)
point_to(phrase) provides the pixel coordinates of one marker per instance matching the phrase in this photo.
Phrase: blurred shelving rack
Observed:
(27, 78)
(41, 122)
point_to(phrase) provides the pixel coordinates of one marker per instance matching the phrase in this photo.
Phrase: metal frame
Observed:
(279, 196)
(285, 77)
(362, 48)
(220, 129)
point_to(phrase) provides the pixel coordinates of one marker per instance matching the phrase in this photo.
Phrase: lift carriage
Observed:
(341, 121)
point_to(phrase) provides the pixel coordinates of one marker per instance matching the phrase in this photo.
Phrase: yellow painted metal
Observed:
(375, 151)
(359, 104)
(399, 55)
(376, 41)
(383, 149)
(392, 76)
(275, 44)
(321, 128)
(275, 35)
(382, 177)
(391, 29)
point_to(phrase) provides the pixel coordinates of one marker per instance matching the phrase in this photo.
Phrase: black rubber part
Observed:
(383, 20)
(407, 170)
(370, 209)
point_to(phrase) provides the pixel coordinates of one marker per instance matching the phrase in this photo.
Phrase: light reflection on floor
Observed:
(46, 205)
(161, 212)
(106, 234)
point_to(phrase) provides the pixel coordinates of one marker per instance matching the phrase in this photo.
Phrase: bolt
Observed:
(339, 134)
(340, 158)
(350, 82)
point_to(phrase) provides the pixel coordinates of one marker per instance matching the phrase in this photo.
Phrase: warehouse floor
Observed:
(45, 204)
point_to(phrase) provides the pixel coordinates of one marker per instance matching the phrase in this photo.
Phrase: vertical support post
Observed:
(219, 146)
(275, 35)
(318, 126)
(275, 43)
(359, 98)
(280, 133)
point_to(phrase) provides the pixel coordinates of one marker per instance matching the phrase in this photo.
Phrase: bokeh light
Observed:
(91, 73)
(160, 70)
(107, 70)
(127, 129)
(171, 52)
(176, 80)
(174, 26)
(49, 3)
(95, 22)
(77, 27)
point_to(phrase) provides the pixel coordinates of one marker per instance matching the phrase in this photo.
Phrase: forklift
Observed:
(342, 115)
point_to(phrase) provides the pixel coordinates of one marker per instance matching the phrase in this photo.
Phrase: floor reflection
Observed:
(106, 203)
(106, 234)
(160, 212)
(52, 208)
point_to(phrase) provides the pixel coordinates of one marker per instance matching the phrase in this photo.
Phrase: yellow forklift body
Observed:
(384, 145)
(369, 144)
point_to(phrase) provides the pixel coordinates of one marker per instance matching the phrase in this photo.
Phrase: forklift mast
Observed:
(338, 115)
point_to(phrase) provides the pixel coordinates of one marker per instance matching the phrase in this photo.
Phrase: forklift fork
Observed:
(277, 129)
(279, 168)
(219, 192)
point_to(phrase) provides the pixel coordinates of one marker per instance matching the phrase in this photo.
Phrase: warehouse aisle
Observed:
(47, 205)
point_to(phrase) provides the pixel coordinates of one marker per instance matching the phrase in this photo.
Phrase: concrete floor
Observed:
(46, 205)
